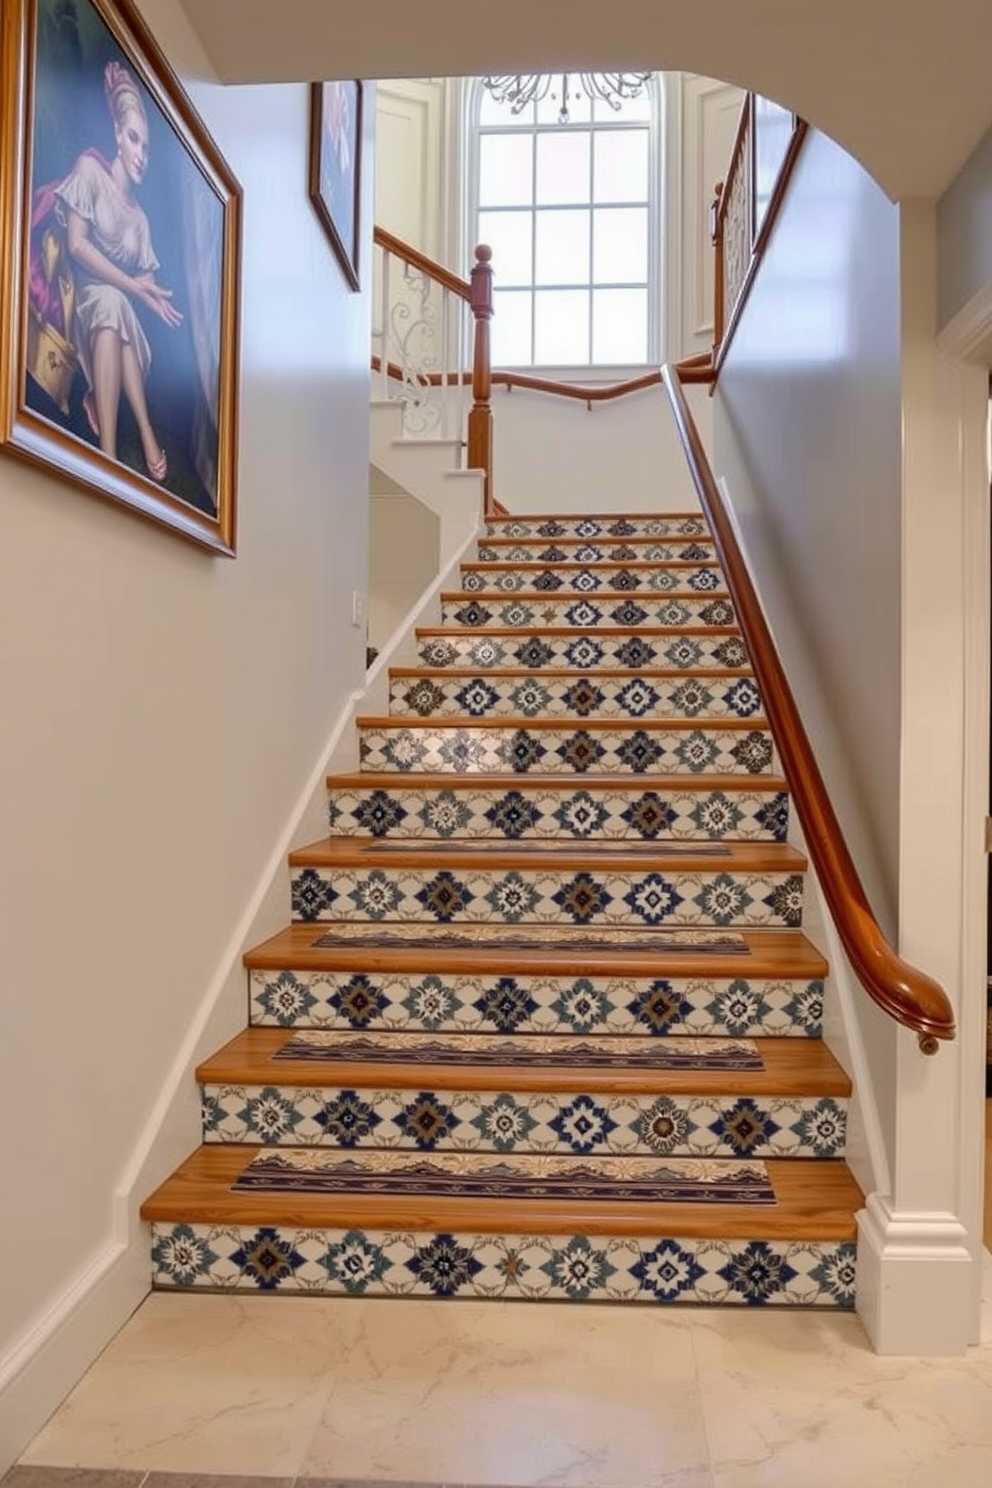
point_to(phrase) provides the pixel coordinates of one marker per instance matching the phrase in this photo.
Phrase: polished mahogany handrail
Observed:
(907, 994)
(698, 368)
(429, 266)
(726, 317)
(478, 292)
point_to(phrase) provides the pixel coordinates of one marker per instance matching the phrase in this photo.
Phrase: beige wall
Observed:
(163, 710)
(807, 435)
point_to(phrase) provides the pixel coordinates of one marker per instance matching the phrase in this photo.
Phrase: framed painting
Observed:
(120, 264)
(335, 166)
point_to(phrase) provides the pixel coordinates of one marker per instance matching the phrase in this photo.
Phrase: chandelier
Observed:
(520, 89)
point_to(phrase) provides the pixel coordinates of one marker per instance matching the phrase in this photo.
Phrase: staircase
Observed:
(545, 1024)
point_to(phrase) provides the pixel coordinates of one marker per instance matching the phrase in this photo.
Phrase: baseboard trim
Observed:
(915, 1281)
(48, 1359)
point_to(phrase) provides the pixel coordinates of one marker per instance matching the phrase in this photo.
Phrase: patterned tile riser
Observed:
(637, 550)
(501, 1121)
(681, 650)
(654, 1271)
(420, 748)
(602, 581)
(594, 696)
(512, 815)
(537, 896)
(634, 528)
(418, 1002)
(582, 612)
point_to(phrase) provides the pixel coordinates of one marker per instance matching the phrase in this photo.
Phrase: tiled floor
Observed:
(295, 1392)
(320, 1391)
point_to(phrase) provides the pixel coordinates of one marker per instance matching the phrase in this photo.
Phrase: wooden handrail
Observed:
(418, 260)
(478, 292)
(698, 368)
(907, 994)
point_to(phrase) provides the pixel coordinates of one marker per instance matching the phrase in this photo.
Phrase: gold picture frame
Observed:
(120, 241)
(335, 167)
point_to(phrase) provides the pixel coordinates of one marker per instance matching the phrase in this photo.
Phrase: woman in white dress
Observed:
(114, 265)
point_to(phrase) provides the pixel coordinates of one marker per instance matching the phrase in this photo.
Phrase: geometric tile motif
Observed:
(563, 611)
(643, 551)
(606, 812)
(656, 1270)
(423, 748)
(574, 578)
(607, 696)
(682, 651)
(436, 1002)
(679, 525)
(500, 1120)
(541, 897)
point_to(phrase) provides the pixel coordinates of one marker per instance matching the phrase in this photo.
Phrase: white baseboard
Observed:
(47, 1360)
(915, 1281)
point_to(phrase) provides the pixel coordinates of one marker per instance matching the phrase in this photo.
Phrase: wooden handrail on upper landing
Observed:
(478, 292)
(907, 994)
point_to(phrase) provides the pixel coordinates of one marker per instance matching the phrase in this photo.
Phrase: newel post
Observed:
(480, 419)
(716, 237)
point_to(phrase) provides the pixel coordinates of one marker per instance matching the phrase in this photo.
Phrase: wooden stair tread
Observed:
(660, 856)
(815, 1201)
(771, 953)
(564, 722)
(792, 1067)
(616, 781)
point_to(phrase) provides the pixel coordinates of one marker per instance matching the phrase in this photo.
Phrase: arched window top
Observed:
(572, 213)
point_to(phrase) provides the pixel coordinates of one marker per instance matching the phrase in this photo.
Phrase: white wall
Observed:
(163, 711)
(807, 435)
(556, 454)
(853, 454)
(404, 558)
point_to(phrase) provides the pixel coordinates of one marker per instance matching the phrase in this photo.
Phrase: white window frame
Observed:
(658, 268)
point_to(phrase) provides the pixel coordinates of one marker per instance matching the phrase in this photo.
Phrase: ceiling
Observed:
(904, 85)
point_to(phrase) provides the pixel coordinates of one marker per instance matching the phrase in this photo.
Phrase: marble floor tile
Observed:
(228, 1385)
(72, 1477)
(802, 1399)
(512, 1395)
(346, 1393)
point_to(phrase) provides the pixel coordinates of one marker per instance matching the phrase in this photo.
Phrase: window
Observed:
(571, 214)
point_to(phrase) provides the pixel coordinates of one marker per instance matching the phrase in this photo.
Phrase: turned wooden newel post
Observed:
(480, 419)
(716, 237)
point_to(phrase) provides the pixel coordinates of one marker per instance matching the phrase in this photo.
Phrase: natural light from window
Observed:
(567, 211)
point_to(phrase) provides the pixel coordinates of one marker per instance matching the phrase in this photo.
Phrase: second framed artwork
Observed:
(121, 233)
(335, 167)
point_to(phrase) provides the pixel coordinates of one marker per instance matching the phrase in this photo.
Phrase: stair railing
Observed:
(745, 204)
(907, 994)
(425, 320)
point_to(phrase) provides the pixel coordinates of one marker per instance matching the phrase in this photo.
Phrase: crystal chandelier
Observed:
(520, 89)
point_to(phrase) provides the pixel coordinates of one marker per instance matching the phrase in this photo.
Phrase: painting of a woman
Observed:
(114, 264)
(122, 340)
